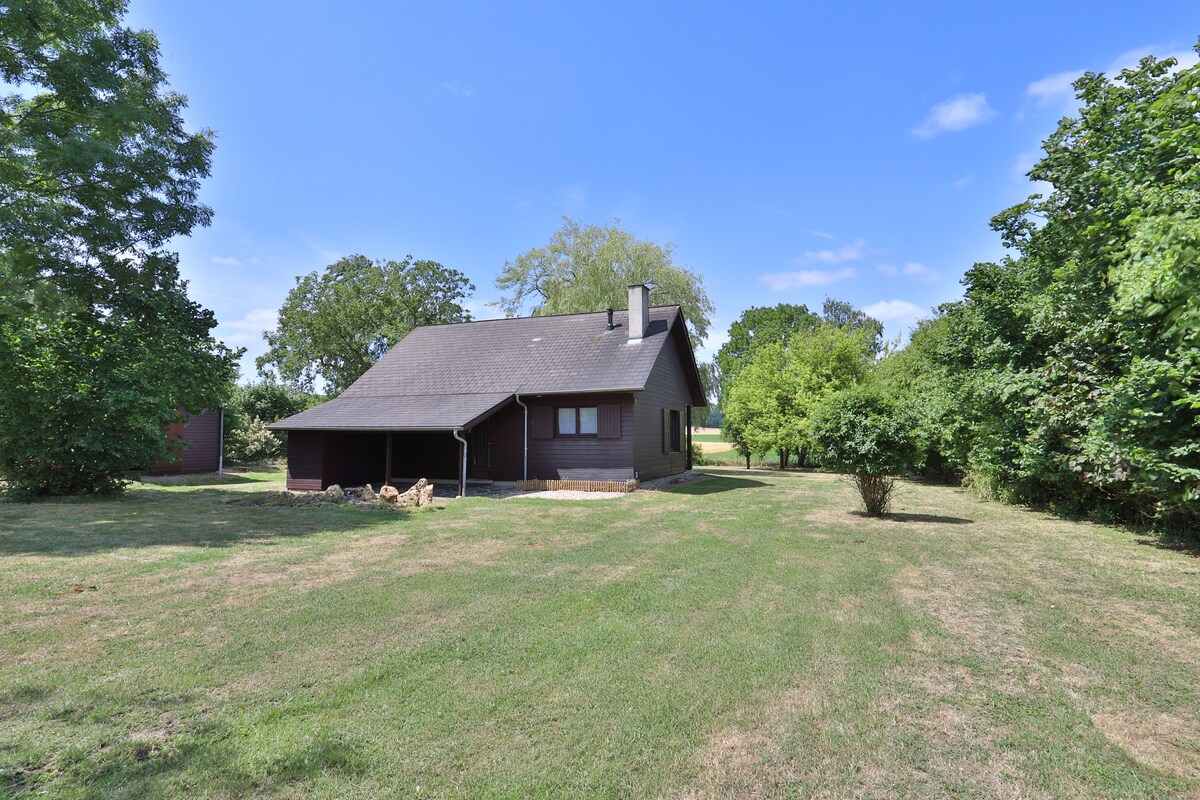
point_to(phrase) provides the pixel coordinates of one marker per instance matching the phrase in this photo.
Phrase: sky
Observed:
(789, 151)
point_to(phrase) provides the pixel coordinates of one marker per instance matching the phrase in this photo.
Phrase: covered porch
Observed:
(319, 459)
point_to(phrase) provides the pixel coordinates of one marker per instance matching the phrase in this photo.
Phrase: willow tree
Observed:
(590, 267)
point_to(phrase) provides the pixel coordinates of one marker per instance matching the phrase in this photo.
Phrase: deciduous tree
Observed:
(335, 324)
(99, 343)
(590, 267)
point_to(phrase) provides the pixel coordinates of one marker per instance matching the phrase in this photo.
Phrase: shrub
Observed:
(251, 442)
(862, 432)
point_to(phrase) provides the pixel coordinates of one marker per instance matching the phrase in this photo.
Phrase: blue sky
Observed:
(789, 151)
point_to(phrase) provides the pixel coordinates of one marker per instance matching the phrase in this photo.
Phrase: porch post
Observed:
(387, 472)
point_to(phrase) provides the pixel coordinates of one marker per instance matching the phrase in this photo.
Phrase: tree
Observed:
(841, 314)
(589, 268)
(755, 328)
(251, 408)
(99, 343)
(770, 402)
(861, 431)
(1070, 370)
(334, 325)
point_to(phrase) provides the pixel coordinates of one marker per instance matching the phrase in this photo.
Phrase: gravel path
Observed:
(569, 494)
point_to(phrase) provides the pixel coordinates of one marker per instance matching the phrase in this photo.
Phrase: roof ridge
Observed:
(533, 317)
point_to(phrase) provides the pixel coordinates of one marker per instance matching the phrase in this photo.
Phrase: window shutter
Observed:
(610, 421)
(666, 430)
(541, 422)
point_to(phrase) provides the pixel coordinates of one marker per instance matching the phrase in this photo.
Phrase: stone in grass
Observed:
(426, 495)
(389, 494)
(334, 493)
(368, 494)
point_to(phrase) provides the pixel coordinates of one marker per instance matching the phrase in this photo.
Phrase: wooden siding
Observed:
(201, 445)
(562, 457)
(203, 436)
(666, 388)
(305, 457)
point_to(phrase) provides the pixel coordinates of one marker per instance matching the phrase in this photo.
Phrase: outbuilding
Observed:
(604, 396)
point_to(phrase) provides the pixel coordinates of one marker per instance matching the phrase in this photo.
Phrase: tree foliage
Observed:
(1068, 375)
(335, 324)
(590, 268)
(254, 406)
(770, 402)
(98, 340)
(862, 431)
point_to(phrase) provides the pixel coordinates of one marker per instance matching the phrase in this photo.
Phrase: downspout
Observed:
(221, 450)
(525, 463)
(462, 481)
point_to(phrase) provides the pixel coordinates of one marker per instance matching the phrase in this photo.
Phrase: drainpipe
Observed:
(525, 464)
(221, 449)
(462, 481)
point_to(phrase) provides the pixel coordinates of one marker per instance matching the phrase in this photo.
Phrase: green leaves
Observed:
(770, 401)
(334, 325)
(590, 268)
(99, 342)
(1068, 377)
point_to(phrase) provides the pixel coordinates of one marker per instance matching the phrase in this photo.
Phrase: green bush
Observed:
(250, 442)
(864, 433)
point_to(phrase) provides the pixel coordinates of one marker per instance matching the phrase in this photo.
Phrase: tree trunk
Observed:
(747, 460)
(783, 457)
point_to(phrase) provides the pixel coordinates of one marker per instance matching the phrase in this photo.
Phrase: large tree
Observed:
(1070, 374)
(98, 340)
(590, 267)
(754, 329)
(335, 324)
(770, 402)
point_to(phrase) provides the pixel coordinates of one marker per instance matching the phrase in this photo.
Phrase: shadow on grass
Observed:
(903, 517)
(712, 485)
(201, 518)
(207, 479)
(1188, 543)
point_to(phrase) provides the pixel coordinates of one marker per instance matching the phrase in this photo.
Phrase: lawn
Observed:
(744, 635)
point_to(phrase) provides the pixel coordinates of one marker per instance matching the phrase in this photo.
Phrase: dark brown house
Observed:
(573, 397)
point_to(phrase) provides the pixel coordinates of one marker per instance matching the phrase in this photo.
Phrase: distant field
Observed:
(745, 635)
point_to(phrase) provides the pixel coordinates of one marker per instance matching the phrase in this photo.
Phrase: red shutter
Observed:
(541, 422)
(610, 421)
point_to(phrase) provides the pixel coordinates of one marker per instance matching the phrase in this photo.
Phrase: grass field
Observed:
(747, 635)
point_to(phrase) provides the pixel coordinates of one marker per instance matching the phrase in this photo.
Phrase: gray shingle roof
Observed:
(446, 376)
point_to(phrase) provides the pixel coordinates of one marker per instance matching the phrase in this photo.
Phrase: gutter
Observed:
(462, 483)
(525, 463)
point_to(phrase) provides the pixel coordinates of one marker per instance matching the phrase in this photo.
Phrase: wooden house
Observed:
(601, 396)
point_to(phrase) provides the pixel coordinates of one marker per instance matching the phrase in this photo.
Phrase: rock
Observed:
(389, 494)
(425, 498)
(412, 497)
(334, 493)
(368, 494)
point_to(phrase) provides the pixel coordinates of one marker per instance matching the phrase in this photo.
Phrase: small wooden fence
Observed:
(578, 486)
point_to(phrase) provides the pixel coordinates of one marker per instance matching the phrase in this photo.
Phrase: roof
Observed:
(441, 377)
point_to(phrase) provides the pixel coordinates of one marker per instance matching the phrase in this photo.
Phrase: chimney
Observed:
(639, 312)
(610, 327)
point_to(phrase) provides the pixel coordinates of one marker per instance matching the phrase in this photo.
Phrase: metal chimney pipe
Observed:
(610, 327)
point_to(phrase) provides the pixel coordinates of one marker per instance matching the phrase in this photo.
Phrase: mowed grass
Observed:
(747, 635)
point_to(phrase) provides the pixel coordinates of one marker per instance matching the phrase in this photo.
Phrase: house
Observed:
(202, 443)
(601, 396)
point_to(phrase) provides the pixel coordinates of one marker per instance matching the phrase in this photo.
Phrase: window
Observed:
(578, 421)
(672, 430)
